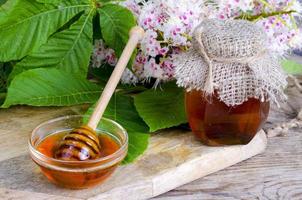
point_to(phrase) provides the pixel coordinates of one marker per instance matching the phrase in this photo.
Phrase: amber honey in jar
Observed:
(230, 79)
(214, 123)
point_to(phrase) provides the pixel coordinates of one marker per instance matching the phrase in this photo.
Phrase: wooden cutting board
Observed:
(173, 158)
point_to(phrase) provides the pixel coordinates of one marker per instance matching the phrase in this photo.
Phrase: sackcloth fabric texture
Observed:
(231, 58)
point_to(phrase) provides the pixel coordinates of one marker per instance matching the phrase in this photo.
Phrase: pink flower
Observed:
(169, 25)
(168, 68)
(110, 57)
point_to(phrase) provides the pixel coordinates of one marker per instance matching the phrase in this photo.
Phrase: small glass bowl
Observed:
(77, 174)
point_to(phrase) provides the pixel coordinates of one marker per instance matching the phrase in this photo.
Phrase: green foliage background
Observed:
(45, 50)
(44, 61)
(292, 67)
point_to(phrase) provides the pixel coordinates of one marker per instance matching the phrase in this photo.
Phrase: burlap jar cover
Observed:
(231, 57)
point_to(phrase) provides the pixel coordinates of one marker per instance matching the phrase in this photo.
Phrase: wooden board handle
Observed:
(136, 34)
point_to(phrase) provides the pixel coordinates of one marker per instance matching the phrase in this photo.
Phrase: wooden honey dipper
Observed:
(82, 143)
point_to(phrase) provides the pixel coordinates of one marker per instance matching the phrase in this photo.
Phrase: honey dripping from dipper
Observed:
(78, 180)
(49, 146)
(80, 144)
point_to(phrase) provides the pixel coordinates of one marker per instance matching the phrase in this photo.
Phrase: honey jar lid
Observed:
(230, 39)
(231, 57)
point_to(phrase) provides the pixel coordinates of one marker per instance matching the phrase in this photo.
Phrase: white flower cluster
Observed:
(169, 25)
(277, 17)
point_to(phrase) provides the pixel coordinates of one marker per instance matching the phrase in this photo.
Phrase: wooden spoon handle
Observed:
(136, 34)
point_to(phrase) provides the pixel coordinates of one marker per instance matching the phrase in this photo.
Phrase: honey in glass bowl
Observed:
(75, 174)
(74, 179)
(216, 124)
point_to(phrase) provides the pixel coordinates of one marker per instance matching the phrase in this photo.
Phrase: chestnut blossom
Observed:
(169, 25)
(102, 54)
(276, 17)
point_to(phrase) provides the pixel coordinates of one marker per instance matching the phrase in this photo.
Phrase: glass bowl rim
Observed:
(114, 156)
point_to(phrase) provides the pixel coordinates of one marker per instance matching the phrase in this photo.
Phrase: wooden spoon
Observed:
(82, 143)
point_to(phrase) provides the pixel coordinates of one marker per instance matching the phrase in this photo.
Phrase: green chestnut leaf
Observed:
(50, 87)
(162, 108)
(68, 50)
(116, 22)
(27, 24)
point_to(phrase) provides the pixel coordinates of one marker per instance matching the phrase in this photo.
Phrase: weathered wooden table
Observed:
(275, 174)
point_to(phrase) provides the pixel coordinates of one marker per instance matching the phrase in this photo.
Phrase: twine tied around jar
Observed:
(231, 57)
(209, 84)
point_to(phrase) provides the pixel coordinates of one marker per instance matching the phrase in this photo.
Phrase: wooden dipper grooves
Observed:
(82, 143)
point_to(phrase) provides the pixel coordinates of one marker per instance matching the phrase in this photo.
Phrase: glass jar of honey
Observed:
(230, 78)
(215, 123)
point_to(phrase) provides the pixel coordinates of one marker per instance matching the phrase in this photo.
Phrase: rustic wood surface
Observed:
(174, 157)
(275, 174)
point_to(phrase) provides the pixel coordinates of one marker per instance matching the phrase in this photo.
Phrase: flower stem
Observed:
(264, 15)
